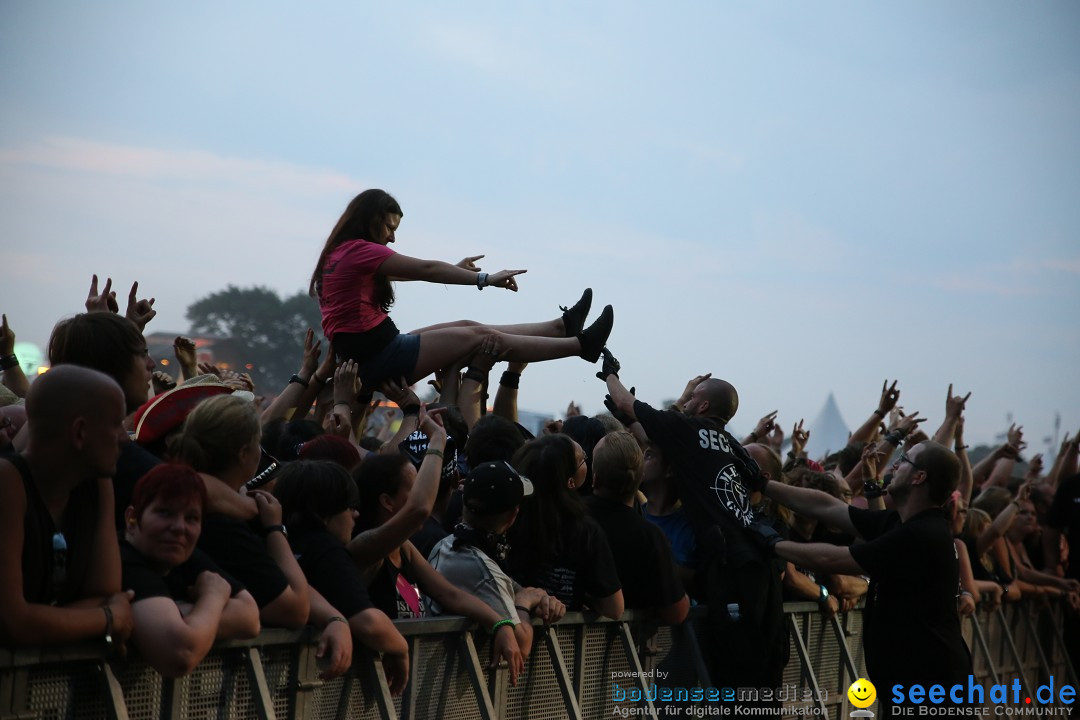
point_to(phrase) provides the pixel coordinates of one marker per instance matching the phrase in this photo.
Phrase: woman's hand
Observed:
(505, 279)
(269, 508)
(469, 263)
(105, 302)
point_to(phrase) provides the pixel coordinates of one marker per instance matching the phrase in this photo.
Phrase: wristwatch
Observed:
(266, 531)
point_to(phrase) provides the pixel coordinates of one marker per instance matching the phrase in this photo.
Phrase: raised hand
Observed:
(775, 438)
(469, 263)
(871, 460)
(432, 422)
(1035, 466)
(1015, 436)
(505, 279)
(103, 302)
(184, 350)
(889, 396)
(689, 389)
(138, 311)
(206, 368)
(572, 410)
(399, 393)
(345, 383)
(7, 339)
(799, 438)
(909, 423)
(490, 352)
(610, 366)
(954, 405)
(764, 426)
(312, 351)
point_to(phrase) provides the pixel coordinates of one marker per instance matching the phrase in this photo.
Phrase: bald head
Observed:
(767, 460)
(65, 393)
(714, 398)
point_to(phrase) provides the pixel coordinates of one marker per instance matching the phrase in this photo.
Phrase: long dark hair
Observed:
(357, 221)
(554, 513)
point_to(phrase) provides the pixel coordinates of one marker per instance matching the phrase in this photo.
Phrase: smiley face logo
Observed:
(862, 693)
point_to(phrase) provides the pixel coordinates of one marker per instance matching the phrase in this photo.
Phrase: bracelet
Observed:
(108, 625)
(510, 379)
(879, 413)
(965, 592)
(894, 438)
(958, 448)
(481, 281)
(753, 436)
(411, 409)
(270, 529)
(475, 374)
(524, 609)
(436, 452)
(872, 489)
(8, 361)
(298, 380)
(496, 626)
(336, 618)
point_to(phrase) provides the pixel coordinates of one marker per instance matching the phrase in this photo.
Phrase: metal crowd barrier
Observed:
(583, 667)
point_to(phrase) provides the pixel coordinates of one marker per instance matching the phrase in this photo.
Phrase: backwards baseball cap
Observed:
(495, 487)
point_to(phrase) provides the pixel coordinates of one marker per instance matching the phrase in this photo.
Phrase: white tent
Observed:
(828, 431)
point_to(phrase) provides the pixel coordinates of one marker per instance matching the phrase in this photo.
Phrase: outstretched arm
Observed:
(889, 396)
(814, 504)
(437, 271)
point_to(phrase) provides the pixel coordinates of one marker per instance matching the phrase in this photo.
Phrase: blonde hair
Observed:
(618, 464)
(215, 432)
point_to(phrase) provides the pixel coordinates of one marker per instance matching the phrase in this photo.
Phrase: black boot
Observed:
(596, 335)
(574, 318)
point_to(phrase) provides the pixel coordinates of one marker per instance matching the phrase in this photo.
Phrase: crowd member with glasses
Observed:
(912, 629)
(59, 556)
(554, 545)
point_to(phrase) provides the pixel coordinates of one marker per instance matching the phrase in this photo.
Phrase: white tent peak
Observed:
(828, 431)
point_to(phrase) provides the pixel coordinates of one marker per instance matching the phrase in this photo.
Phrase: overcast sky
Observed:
(802, 198)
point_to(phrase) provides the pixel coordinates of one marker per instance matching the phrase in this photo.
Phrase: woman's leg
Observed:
(568, 325)
(444, 346)
(551, 328)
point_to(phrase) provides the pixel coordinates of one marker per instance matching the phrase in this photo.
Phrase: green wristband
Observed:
(496, 626)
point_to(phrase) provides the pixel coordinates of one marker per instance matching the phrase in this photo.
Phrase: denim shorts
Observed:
(396, 360)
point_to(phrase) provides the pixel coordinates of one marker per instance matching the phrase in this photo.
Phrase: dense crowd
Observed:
(164, 513)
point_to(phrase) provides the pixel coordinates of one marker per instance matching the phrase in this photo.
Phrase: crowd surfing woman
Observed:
(352, 281)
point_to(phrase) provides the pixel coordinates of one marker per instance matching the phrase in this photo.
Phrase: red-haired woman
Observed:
(183, 601)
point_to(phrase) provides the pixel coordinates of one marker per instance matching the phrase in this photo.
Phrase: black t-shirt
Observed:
(912, 631)
(1065, 516)
(329, 569)
(237, 548)
(134, 462)
(584, 568)
(148, 583)
(710, 465)
(642, 554)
